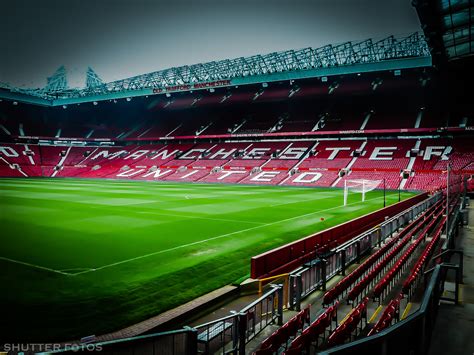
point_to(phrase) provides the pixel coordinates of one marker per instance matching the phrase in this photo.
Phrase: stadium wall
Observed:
(290, 256)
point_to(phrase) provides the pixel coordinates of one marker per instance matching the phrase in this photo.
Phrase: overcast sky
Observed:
(119, 38)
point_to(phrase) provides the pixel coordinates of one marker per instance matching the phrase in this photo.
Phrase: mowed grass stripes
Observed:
(81, 257)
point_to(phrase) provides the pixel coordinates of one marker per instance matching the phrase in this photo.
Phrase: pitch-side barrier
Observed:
(314, 274)
(290, 256)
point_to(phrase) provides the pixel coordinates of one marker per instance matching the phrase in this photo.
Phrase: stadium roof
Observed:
(448, 26)
(346, 58)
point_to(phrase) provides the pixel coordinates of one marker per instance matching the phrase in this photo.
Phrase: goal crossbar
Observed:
(359, 186)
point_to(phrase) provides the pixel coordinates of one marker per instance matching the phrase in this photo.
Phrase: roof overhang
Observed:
(343, 59)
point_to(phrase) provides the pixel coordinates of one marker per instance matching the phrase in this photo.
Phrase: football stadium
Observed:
(300, 201)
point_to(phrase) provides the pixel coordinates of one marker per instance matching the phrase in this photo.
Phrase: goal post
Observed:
(361, 186)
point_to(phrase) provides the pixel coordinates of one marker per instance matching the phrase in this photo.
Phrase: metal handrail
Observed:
(231, 316)
(257, 301)
(388, 221)
(429, 293)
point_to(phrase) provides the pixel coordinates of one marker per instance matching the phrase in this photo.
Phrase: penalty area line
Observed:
(76, 269)
(87, 270)
(35, 266)
(215, 238)
(198, 217)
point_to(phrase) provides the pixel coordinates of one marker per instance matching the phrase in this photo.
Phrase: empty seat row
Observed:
(343, 285)
(399, 266)
(422, 260)
(286, 332)
(388, 260)
(315, 331)
(391, 312)
(353, 320)
(331, 295)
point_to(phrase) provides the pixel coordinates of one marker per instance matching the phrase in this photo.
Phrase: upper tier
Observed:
(372, 101)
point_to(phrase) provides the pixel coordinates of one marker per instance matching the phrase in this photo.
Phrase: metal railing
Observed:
(220, 336)
(266, 310)
(413, 334)
(409, 336)
(315, 274)
(176, 342)
(230, 334)
(304, 281)
(227, 335)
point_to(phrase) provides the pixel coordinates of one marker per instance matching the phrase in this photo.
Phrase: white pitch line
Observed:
(216, 237)
(35, 266)
(76, 269)
(87, 270)
(308, 200)
(198, 217)
(151, 184)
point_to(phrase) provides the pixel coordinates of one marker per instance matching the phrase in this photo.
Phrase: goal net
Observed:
(359, 186)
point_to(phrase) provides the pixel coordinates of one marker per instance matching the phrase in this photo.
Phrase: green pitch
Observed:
(81, 257)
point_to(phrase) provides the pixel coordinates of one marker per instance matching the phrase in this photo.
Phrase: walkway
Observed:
(454, 329)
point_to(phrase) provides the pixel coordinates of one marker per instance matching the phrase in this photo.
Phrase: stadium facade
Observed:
(248, 125)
